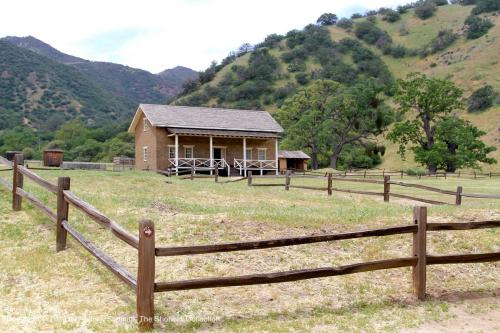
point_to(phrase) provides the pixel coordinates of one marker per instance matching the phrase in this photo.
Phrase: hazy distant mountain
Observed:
(132, 84)
(38, 81)
(179, 74)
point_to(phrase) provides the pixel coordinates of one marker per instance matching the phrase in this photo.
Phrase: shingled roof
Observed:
(292, 154)
(171, 116)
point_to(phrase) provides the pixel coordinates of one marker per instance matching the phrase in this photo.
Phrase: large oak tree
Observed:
(327, 116)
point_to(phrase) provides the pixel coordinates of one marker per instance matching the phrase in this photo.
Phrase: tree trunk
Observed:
(335, 156)
(333, 161)
(451, 165)
(314, 157)
(432, 168)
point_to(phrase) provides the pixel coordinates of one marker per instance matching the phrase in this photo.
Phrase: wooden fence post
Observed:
(17, 181)
(401, 174)
(458, 197)
(146, 275)
(249, 176)
(387, 188)
(330, 183)
(445, 175)
(192, 173)
(364, 174)
(63, 183)
(420, 251)
(287, 180)
(217, 174)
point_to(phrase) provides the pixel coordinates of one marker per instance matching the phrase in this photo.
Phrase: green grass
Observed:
(39, 286)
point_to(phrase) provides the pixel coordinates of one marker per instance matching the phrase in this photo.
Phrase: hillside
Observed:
(40, 92)
(469, 63)
(132, 85)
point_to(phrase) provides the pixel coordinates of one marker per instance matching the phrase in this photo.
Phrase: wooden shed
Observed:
(53, 157)
(295, 160)
(11, 153)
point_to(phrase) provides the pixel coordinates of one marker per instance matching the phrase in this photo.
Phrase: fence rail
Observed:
(386, 194)
(145, 285)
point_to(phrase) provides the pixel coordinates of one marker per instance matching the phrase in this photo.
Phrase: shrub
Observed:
(477, 26)
(403, 30)
(271, 40)
(327, 19)
(372, 19)
(356, 16)
(402, 9)
(486, 6)
(440, 2)
(444, 39)
(390, 16)
(345, 23)
(302, 78)
(369, 32)
(481, 98)
(416, 172)
(28, 153)
(425, 9)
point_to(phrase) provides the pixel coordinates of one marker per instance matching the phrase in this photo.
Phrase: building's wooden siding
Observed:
(145, 138)
(158, 141)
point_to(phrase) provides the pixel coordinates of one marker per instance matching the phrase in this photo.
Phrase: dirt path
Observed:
(475, 314)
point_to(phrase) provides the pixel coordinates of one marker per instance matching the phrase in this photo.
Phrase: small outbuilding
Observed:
(53, 157)
(295, 160)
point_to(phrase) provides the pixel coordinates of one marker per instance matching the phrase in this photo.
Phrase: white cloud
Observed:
(155, 35)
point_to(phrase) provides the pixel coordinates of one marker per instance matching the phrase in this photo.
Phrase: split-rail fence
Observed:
(145, 285)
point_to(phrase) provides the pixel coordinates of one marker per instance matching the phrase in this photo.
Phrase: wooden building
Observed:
(180, 137)
(292, 160)
(53, 157)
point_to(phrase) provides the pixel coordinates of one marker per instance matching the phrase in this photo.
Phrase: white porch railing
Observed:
(255, 165)
(199, 163)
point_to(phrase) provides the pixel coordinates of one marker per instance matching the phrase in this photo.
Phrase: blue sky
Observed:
(155, 35)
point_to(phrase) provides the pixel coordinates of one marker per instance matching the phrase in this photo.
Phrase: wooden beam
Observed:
(280, 242)
(420, 251)
(146, 275)
(17, 181)
(107, 261)
(63, 184)
(288, 276)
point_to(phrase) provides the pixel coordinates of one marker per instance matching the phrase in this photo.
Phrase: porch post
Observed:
(244, 157)
(276, 157)
(211, 154)
(177, 154)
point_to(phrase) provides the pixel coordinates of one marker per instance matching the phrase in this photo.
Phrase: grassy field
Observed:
(70, 290)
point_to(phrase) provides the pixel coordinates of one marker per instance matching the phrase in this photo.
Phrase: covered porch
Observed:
(231, 152)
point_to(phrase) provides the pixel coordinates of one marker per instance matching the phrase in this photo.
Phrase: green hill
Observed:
(40, 92)
(132, 85)
(302, 56)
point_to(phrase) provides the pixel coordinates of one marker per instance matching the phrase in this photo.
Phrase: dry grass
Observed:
(40, 287)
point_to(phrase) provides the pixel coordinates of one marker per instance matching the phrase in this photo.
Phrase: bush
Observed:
(327, 19)
(477, 26)
(390, 16)
(28, 153)
(369, 32)
(425, 9)
(481, 99)
(271, 40)
(444, 39)
(440, 2)
(302, 78)
(345, 23)
(486, 6)
(356, 16)
(402, 9)
(415, 172)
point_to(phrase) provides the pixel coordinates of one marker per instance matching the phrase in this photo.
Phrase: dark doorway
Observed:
(217, 153)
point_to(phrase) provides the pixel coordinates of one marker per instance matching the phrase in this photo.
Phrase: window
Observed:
(261, 154)
(146, 124)
(188, 152)
(171, 151)
(145, 151)
(249, 153)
